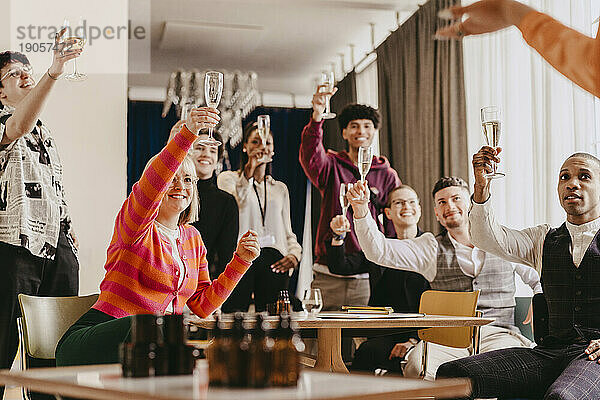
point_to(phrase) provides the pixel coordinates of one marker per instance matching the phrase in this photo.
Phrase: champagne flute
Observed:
(492, 127)
(365, 156)
(328, 82)
(213, 88)
(312, 301)
(72, 41)
(264, 128)
(344, 197)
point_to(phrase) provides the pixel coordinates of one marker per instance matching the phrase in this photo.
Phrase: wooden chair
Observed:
(44, 321)
(462, 304)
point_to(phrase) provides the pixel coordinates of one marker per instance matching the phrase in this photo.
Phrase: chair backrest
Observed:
(46, 319)
(461, 304)
(523, 314)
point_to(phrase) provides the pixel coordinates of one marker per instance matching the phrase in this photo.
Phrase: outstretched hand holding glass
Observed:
(491, 124)
(72, 39)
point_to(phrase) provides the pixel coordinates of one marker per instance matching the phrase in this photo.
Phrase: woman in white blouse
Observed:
(264, 206)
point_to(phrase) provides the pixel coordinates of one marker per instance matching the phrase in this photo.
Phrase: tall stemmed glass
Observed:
(491, 123)
(213, 88)
(74, 39)
(344, 203)
(365, 156)
(264, 128)
(328, 83)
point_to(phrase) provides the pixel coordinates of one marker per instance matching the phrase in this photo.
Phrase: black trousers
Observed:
(374, 353)
(538, 373)
(259, 279)
(23, 272)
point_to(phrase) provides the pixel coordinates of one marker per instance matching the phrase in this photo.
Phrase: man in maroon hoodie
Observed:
(327, 170)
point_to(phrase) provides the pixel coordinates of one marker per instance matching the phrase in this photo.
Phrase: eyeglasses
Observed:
(187, 181)
(17, 71)
(402, 203)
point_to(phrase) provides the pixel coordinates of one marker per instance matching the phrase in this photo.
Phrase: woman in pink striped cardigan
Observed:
(156, 261)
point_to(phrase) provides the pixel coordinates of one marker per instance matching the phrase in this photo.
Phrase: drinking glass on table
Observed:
(312, 301)
(328, 83)
(491, 124)
(213, 89)
(73, 39)
(264, 127)
(365, 157)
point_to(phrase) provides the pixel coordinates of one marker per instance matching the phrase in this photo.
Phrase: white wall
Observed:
(88, 120)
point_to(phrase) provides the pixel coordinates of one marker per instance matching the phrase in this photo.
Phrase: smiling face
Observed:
(359, 133)
(205, 158)
(17, 83)
(254, 141)
(451, 206)
(182, 193)
(404, 209)
(579, 189)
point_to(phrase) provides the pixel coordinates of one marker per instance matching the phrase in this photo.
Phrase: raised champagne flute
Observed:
(328, 83)
(264, 129)
(365, 157)
(344, 203)
(491, 123)
(213, 88)
(74, 39)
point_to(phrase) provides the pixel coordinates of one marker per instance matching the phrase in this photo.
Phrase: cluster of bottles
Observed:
(250, 355)
(157, 347)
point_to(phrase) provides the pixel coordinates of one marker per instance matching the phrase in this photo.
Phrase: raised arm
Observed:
(141, 207)
(417, 255)
(572, 53)
(313, 157)
(27, 113)
(520, 246)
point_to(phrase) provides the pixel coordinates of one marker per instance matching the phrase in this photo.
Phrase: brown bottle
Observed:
(283, 302)
(237, 360)
(286, 354)
(260, 354)
(217, 368)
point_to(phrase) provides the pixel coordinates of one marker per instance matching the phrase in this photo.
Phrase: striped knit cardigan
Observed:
(141, 275)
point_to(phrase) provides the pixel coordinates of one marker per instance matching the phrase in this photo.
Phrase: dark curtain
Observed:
(332, 138)
(422, 103)
(286, 125)
(147, 134)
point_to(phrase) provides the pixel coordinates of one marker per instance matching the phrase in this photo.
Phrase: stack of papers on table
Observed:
(347, 315)
(367, 310)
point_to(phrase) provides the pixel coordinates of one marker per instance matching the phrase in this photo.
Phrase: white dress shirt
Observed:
(420, 254)
(526, 245)
(172, 236)
(277, 223)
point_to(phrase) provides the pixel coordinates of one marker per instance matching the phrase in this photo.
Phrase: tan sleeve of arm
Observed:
(572, 53)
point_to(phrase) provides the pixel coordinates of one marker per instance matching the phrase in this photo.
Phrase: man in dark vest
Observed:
(449, 262)
(566, 364)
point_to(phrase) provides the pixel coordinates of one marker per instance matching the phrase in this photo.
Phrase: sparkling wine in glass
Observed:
(365, 156)
(74, 39)
(328, 83)
(264, 129)
(491, 124)
(312, 301)
(213, 88)
(344, 197)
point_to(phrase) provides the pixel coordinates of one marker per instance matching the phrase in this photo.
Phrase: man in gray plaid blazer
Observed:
(566, 364)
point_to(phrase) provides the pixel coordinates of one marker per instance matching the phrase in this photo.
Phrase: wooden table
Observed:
(329, 331)
(104, 382)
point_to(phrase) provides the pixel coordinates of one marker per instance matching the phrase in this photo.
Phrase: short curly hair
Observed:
(358, 111)
(448, 181)
(7, 57)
